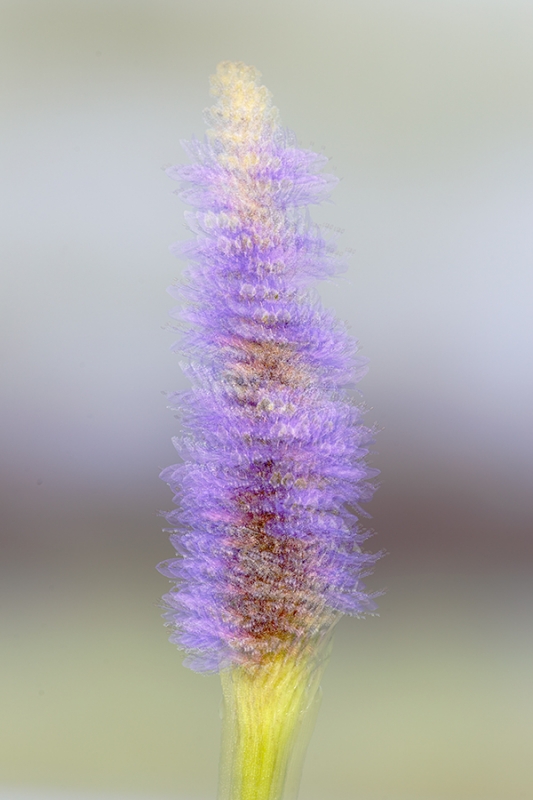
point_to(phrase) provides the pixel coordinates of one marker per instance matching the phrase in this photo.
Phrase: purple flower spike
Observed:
(273, 448)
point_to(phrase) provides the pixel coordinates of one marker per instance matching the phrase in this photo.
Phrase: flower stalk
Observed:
(268, 717)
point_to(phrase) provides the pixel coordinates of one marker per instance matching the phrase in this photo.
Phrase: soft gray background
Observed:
(426, 109)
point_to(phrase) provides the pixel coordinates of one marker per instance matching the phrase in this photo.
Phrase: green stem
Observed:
(268, 721)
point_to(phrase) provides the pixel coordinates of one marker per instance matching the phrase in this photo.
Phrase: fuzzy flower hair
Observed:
(273, 448)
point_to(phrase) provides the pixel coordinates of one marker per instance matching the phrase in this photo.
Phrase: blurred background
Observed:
(425, 108)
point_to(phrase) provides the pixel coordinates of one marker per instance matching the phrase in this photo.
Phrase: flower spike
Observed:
(273, 445)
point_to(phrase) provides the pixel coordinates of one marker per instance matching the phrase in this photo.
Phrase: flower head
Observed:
(273, 448)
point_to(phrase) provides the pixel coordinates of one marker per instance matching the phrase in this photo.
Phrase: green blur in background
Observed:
(426, 110)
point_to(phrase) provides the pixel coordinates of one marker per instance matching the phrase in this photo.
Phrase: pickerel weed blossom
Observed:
(273, 444)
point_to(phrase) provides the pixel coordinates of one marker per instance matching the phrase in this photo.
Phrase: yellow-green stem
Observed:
(268, 718)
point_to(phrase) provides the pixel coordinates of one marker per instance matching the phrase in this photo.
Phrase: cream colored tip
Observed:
(244, 107)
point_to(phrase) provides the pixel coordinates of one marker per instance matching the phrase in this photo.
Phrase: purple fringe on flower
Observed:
(273, 446)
